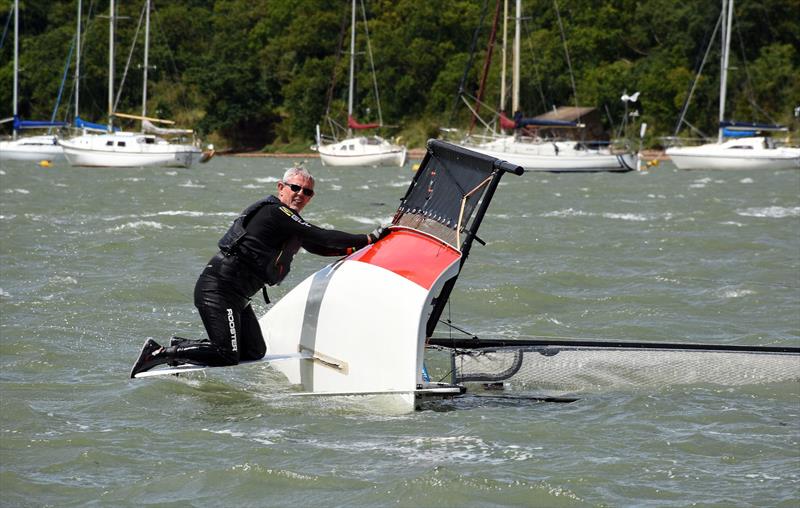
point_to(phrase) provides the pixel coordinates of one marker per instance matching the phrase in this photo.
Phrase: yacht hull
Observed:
(371, 152)
(735, 154)
(127, 150)
(34, 149)
(557, 157)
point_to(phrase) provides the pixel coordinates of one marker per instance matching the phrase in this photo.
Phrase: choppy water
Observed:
(92, 261)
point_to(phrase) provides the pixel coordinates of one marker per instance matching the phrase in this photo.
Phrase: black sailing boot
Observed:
(152, 354)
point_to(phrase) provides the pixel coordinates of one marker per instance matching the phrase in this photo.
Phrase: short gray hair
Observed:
(297, 171)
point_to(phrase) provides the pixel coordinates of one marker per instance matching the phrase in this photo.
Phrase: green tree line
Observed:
(262, 73)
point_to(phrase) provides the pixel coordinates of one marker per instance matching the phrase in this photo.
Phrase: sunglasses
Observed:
(297, 188)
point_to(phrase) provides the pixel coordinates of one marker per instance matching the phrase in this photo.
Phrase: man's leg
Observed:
(251, 343)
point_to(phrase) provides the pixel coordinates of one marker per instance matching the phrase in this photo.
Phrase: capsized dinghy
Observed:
(365, 318)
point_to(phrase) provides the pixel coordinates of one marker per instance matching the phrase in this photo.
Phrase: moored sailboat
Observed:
(535, 153)
(358, 150)
(129, 149)
(37, 148)
(744, 150)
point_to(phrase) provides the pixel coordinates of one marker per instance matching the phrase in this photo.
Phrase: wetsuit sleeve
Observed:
(325, 242)
(325, 251)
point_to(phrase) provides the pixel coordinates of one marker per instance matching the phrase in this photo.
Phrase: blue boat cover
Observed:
(749, 126)
(83, 124)
(729, 133)
(20, 124)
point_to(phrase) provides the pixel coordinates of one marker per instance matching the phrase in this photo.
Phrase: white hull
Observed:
(32, 148)
(386, 297)
(362, 151)
(735, 154)
(127, 149)
(557, 156)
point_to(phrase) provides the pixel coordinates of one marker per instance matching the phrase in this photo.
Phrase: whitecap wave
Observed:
(569, 212)
(60, 279)
(363, 220)
(142, 224)
(636, 217)
(190, 184)
(735, 293)
(771, 212)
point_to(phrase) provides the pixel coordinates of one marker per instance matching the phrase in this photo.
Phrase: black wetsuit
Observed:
(272, 234)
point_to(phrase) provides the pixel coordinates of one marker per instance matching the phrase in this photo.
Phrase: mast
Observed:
(515, 71)
(146, 54)
(352, 68)
(78, 64)
(505, 58)
(16, 62)
(111, 19)
(727, 12)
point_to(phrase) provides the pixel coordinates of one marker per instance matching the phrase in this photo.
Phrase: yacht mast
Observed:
(352, 68)
(727, 11)
(515, 72)
(111, 19)
(146, 54)
(16, 62)
(78, 64)
(505, 58)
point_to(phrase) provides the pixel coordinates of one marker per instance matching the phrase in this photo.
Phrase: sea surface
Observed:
(93, 261)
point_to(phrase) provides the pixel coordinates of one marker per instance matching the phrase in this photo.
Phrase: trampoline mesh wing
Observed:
(581, 369)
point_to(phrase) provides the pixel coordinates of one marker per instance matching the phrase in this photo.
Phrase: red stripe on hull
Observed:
(417, 257)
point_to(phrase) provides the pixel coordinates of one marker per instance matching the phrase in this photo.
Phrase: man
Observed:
(256, 251)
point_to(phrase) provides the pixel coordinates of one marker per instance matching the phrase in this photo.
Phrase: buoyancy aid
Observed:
(268, 263)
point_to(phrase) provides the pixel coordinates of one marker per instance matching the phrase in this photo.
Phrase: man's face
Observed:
(295, 191)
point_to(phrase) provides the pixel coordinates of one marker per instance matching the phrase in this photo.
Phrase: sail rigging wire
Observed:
(529, 38)
(487, 62)
(470, 60)
(339, 52)
(685, 108)
(750, 95)
(5, 29)
(371, 63)
(61, 86)
(130, 56)
(566, 53)
(75, 92)
(472, 110)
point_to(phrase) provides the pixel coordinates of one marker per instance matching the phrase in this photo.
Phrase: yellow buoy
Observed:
(415, 167)
(45, 163)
